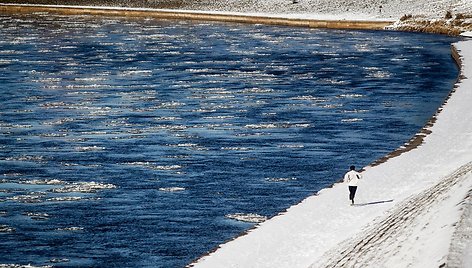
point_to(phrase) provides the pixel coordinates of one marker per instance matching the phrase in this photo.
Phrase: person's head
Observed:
(352, 168)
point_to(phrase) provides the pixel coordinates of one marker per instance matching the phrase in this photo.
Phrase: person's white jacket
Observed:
(352, 177)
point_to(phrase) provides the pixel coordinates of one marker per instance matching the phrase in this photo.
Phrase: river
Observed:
(146, 143)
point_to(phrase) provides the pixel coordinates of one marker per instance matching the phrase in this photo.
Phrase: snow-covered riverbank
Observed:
(410, 203)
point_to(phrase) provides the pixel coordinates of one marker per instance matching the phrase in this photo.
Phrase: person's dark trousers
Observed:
(352, 193)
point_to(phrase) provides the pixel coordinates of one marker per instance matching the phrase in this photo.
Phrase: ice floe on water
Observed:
(89, 148)
(59, 260)
(167, 118)
(37, 215)
(235, 148)
(6, 229)
(49, 190)
(23, 266)
(281, 179)
(222, 117)
(350, 96)
(278, 125)
(355, 111)
(293, 146)
(172, 189)
(72, 228)
(28, 198)
(247, 217)
(153, 166)
(351, 120)
(32, 158)
(310, 98)
(83, 187)
(44, 181)
(66, 198)
(53, 135)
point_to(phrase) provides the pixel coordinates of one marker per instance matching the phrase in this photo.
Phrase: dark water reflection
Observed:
(126, 142)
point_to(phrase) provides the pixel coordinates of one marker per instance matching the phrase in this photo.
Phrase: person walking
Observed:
(352, 177)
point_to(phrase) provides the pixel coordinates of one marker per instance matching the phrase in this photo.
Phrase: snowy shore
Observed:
(407, 208)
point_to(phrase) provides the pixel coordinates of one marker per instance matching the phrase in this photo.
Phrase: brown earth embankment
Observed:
(201, 16)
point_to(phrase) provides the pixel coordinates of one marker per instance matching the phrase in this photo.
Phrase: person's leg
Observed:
(352, 193)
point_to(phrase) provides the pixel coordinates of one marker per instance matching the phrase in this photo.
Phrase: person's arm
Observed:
(346, 177)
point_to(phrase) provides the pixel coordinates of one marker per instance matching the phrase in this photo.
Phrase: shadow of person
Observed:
(373, 203)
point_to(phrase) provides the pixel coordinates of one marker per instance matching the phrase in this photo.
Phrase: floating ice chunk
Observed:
(331, 106)
(38, 158)
(23, 266)
(252, 134)
(172, 104)
(249, 217)
(4, 62)
(57, 260)
(219, 117)
(168, 167)
(6, 229)
(29, 198)
(89, 148)
(350, 96)
(379, 74)
(155, 167)
(83, 187)
(12, 174)
(309, 98)
(37, 215)
(168, 118)
(52, 105)
(64, 198)
(280, 125)
(53, 135)
(302, 125)
(172, 189)
(58, 121)
(88, 79)
(291, 145)
(261, 126)
(236, 148)
(178, 156)
(138, 163)
(73, 228)
(45, 181)
(93, 133)
(186, 145)
(258, 90)
(355, 111)
(10, 126)
(350, 120)
(280, 179)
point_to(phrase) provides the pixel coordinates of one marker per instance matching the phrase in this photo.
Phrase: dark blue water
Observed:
(125, 143)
